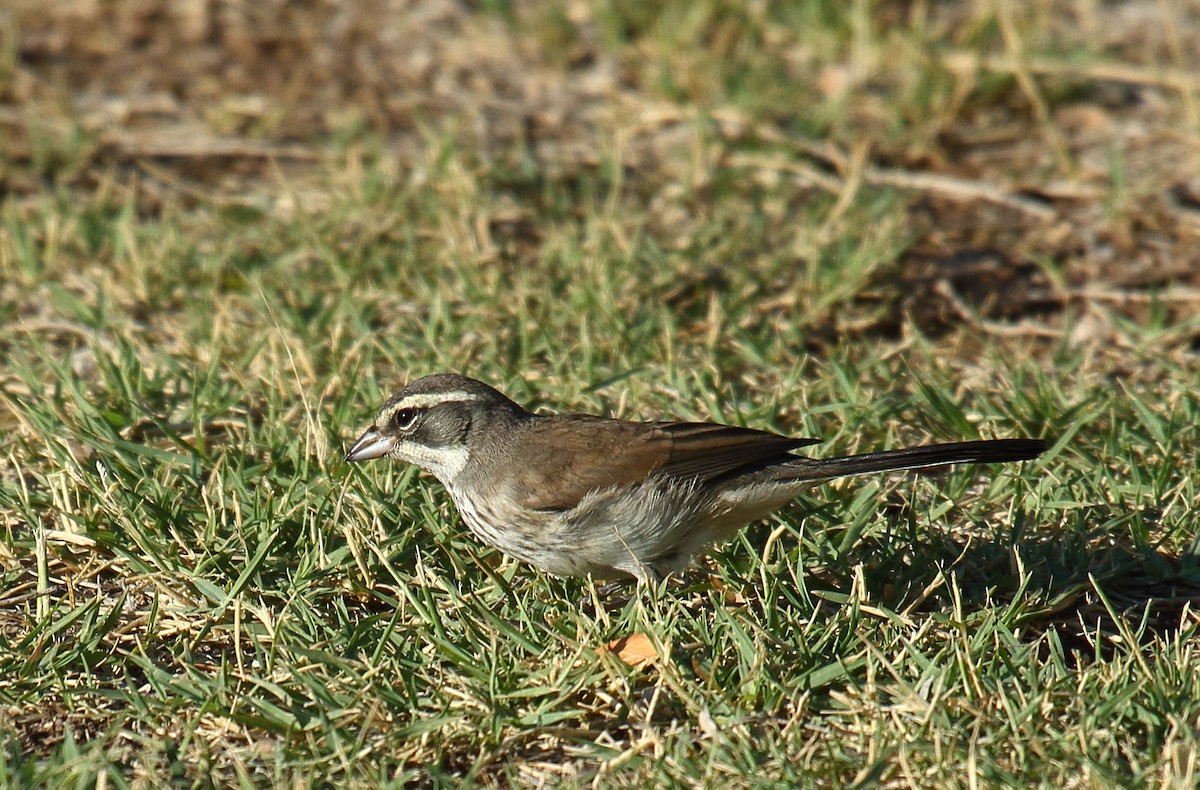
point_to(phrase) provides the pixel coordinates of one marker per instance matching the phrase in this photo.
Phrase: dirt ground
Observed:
(1090, 169)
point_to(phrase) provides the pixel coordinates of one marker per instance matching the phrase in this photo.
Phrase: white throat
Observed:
(444, 463)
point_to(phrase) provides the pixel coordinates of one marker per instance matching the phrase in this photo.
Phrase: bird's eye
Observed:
(404, 418)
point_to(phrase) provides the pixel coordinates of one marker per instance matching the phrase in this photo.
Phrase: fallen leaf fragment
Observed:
(636, 650)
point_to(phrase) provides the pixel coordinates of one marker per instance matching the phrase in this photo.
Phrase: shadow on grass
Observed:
(1098, 591)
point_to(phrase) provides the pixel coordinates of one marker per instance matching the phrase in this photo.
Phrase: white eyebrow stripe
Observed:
(423, 399)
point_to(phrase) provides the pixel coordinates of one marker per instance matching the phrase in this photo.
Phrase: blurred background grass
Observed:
(227, 231)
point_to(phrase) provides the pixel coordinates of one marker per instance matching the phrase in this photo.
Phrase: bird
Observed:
(578, 495)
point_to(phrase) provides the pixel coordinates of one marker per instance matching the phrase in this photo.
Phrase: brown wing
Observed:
(588, 453)
(708, 450)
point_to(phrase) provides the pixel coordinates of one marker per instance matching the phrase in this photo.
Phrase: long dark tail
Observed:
(992, 451)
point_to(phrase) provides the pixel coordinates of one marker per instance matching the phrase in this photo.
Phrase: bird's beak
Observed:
(371, 444)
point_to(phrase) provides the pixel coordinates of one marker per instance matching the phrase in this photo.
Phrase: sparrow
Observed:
(575, 494)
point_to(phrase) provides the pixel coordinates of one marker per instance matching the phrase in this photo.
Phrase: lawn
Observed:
(228, 232)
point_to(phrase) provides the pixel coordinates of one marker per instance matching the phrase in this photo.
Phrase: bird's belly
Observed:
(657, 525)
(513, 533)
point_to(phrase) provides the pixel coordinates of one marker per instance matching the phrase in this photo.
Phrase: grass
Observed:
(195, 590)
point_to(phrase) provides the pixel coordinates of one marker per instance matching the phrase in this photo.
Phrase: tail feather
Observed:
(992, 451)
